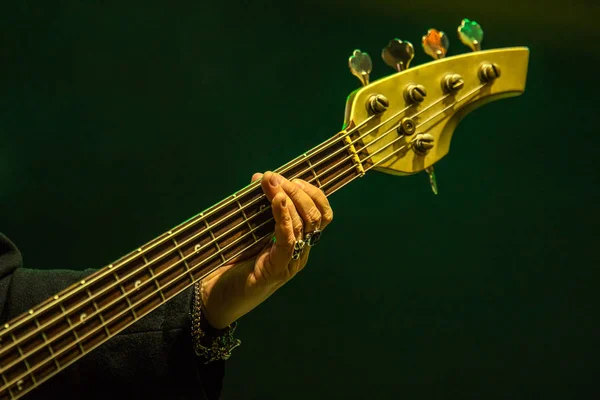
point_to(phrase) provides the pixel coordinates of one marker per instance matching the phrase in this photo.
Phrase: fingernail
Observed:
(299, 183)
(275, 180)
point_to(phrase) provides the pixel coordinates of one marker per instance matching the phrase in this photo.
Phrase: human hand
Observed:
(233, 290)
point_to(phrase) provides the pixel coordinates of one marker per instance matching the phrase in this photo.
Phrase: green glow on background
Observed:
(124, 122)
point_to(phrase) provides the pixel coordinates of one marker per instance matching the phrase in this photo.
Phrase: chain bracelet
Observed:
(210, 348)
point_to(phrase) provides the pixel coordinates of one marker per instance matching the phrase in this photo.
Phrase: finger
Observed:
(256, 176)
(272, 185)
(305, 205)
(320, 200)
(281, 251)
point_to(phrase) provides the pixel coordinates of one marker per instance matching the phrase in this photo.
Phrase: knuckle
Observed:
(313, 215)
(327, 216)
(298, 229)
(290, 240)
(291, 189)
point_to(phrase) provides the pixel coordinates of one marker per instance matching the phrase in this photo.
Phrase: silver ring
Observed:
(311, 238)
(298, 247)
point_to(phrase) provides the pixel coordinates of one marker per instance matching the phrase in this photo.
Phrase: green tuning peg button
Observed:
(471, 34)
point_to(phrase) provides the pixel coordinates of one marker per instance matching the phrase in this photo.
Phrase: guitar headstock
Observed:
(405, 121)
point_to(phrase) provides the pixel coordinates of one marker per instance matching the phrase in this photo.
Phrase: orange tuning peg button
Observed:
(436, 44)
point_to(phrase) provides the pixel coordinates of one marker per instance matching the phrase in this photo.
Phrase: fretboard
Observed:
(40, 343)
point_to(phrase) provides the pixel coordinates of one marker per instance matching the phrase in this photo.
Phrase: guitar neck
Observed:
(40, 343)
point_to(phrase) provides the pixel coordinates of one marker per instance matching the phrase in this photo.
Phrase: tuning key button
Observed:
(360, 65)
(489, 72)
(471, 34)
(377, 104)
(436, 44)
(415, 94)
(398, 54)
(452, 83)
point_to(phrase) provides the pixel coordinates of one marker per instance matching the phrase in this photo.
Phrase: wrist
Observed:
(209, 343)
(228, 294)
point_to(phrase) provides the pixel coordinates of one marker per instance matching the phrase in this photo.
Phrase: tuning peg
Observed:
(398, 54)
(432, 180)
(360, 65)
(436, 43)
(471, 34)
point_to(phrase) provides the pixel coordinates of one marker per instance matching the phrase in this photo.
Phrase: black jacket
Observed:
(152, 359)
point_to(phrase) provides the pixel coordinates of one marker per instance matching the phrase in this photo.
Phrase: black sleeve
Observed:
(152, 357)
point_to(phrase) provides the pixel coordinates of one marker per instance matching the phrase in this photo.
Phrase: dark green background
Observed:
(120, 121)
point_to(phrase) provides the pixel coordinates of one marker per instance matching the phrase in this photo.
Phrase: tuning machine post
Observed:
(435, 44)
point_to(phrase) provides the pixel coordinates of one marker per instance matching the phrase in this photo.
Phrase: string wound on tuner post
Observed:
(471, 34)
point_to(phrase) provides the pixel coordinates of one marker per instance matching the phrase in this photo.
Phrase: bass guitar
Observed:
(401, 124)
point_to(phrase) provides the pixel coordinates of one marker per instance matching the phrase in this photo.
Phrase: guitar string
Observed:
(201, 217)
(106, 323)
(283, 169)
(152, 279)
(155, 292)
(462, 99)
(218, 253)
(103, 325)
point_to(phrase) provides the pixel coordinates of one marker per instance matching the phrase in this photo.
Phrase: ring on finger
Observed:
(298, 248)
(311, 238)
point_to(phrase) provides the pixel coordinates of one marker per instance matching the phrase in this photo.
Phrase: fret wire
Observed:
(312, 169)
(24, 360)
(98, 310)
(71, 326)
(6, 386)
(182, 258)
(162, 296)
(245, 217)
(214, 240)
(125, 294)
(332, 192)
(46, 341)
